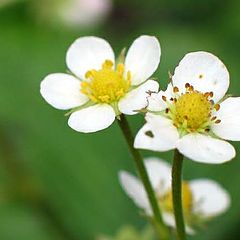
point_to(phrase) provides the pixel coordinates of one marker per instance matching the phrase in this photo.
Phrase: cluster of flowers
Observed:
(194, 115)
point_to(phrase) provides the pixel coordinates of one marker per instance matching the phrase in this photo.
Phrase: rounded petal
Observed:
(205, 72)
(156, 102)
(88, 53)
(229, 114)
(205, 149)
(143, 58)
(159, 173)
(137, 98)
(170, 221)
(62, 91)
(92, 119)
(210, 199)
(135, 190)
(158, 134)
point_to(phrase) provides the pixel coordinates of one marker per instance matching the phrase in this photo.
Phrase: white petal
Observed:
(158, 134)
(156, 102)
(189, 230)
(137, 98)
(205, 72)
(229, 114)
(205, 149)
(62, 91)
(143, 58)
(170, 221)
(92, 119)
(210, 199)
(88, 53)
(159, 173)
(135, 190)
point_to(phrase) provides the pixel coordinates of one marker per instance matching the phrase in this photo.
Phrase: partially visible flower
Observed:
(203, 199)
(71, 13)
(193, 114)
(84, 12)
(98, 88)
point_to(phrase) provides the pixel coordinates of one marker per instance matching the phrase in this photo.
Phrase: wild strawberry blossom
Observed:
(194, 114)
(203, 199)
(99, 88)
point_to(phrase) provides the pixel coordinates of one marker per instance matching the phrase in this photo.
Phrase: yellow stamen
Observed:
(192, 109)
(187, 199)
(106, 85)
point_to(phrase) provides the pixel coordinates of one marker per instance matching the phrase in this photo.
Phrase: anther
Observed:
(207, 94)
(88, 74)
(191, 88)
(217, 121)
(175, 89)
(164, 98)
(217, 107)
(107, 64)
(213, 118)
(187, 85)
(212, 102)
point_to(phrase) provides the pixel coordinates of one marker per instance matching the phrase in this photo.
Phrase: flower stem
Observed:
(177, 194)
(163, 230)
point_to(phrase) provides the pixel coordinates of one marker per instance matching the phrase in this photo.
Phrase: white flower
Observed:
(71, 13)
(99, 89)
(193, 114)
(202, 198)
(84, 12)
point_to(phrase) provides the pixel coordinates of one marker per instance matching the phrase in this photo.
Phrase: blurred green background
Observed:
(59, 184)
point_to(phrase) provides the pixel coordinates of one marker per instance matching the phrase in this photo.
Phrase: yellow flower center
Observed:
(187, 199)
(192, 109)
(106, 85)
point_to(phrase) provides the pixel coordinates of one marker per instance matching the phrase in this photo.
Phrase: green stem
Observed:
(177, 194)
(144, 177)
